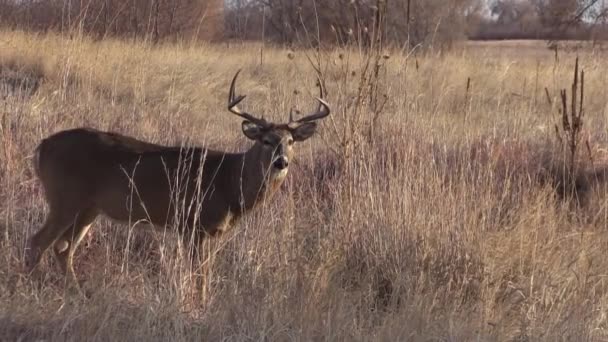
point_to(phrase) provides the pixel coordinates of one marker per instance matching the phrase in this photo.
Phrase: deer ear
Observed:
(251, 130)
(304, 131)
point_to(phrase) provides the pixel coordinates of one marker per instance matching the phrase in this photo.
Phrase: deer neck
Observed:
(254, 177)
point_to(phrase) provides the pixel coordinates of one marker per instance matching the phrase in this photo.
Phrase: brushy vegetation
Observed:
(446, 221)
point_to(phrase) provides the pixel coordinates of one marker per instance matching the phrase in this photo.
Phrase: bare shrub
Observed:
(408, 23)
(153, 20)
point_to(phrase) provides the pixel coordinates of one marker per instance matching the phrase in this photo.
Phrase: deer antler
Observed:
(322, 111)
(233, 102)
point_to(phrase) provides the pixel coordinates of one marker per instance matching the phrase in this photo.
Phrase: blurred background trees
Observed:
(544, 19)
(417, 22)
(149, 19)
(407, 22)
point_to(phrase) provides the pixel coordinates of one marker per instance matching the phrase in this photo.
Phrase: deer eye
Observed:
(267, 142)
(290, 142)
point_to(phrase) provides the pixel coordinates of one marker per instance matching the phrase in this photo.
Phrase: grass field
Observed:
(446, 222)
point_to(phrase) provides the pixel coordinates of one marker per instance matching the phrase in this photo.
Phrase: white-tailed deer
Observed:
(198, 191)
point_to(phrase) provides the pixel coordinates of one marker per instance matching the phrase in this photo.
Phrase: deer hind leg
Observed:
(192, 244)
(206, 248)
(57, 222)
(65, 247)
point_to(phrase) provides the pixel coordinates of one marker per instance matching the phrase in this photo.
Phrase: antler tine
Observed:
(320, 84)
(233, 102)
(322, 111)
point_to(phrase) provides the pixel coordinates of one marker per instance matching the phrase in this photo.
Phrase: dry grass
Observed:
(448, 226)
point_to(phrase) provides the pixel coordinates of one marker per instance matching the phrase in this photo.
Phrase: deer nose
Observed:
(281, 163)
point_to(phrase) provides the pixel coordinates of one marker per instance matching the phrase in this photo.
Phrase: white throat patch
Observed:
(280, 174)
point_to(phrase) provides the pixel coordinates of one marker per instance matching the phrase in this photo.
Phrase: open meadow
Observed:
(434, 204)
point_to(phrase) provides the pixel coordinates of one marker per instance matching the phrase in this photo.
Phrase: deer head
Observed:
(274, 141)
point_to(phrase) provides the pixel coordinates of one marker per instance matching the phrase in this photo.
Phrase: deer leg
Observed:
(57, 222)
(193, 246)
(207, 250)
(65, 247)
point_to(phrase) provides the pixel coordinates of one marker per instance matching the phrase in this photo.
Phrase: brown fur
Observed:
(200, 192)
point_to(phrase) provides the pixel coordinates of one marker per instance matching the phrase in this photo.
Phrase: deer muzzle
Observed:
(280, 163)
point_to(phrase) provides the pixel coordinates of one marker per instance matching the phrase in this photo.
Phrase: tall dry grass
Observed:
(445, 224)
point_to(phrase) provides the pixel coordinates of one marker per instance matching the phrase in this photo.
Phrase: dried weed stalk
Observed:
(570, 133)
(359, 107)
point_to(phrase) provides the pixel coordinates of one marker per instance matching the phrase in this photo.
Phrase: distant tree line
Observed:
(417, 22)
(283, 21)
(545, 19)
(145, 19)
(414, 22)
(409, 23)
